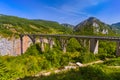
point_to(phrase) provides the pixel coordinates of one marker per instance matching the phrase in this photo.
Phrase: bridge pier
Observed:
(21, 43)
(50, 41)
(64, 44)
(118, 48)
(42, 44)
(94, 46)
(84, 42)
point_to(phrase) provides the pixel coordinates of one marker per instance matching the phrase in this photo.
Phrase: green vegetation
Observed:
(113, 62)
(34, 61)
(94, 72)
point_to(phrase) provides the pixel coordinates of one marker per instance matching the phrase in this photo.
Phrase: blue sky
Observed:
(63, 11)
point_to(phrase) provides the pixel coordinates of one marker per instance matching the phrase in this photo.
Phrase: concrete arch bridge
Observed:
(93, 41)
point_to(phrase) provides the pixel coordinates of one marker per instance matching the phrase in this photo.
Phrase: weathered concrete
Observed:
(94, 46)
(118, 48)
(26, 43)
(42, 44)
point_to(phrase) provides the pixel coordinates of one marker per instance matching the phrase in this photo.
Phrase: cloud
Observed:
(79, 5)
(75, 7)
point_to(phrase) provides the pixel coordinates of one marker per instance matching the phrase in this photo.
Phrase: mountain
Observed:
(93, 26)
(116, 27)
(10, 25)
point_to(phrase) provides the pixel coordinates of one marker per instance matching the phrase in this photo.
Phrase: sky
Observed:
(63, 11)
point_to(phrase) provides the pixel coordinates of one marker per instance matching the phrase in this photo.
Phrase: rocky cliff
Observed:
(13, 46)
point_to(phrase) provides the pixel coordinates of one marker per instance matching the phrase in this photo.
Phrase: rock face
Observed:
(13, 47)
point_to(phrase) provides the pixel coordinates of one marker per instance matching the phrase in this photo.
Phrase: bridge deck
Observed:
(111, 38)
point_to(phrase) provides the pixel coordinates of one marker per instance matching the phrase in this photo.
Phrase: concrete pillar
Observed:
(118, 49)
(84, 43)
(64, 45)
(50, 41)
(42, 44)
(94, 46)
(64, 48)
(21, 43)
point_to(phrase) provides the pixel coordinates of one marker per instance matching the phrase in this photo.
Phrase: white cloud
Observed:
(79, 5)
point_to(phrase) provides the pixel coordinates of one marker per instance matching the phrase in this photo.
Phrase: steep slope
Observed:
(10, 25)
(93, 26)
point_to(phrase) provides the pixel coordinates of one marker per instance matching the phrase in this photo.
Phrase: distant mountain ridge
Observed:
(92, 26)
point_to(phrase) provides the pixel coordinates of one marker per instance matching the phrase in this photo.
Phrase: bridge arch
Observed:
(26, 41)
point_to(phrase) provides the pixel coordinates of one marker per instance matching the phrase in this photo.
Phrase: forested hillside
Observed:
(10, 25)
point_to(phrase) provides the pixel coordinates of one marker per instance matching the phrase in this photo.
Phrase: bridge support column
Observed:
(94, 46)
(21, 43)
(64, 45)
(118, 49)
(84, 43)
(42, 44)
(50, 41)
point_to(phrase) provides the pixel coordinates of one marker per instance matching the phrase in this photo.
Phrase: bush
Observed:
(104, 56)
(113, 62)
(87, 57)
